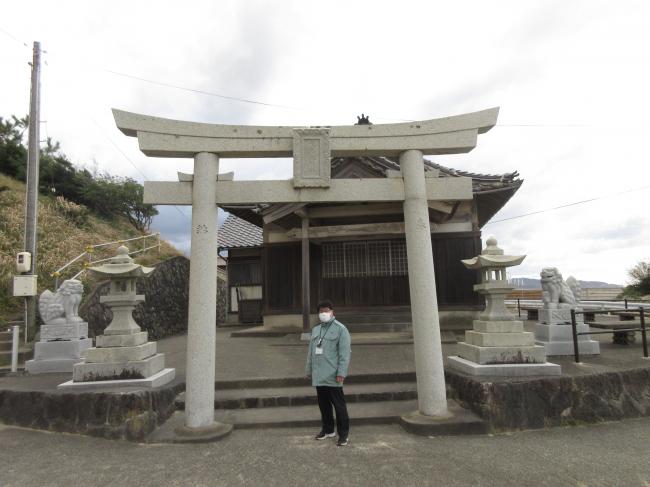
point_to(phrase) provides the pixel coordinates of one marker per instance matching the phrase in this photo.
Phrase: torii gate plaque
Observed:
(312, 148)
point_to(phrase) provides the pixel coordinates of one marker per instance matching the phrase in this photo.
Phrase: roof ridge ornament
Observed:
(363, 120)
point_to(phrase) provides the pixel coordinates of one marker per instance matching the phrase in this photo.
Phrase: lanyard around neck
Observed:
(322, 335)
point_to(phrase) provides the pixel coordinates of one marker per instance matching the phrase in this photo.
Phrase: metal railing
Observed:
(616, 305)
(86, 257)
(642, 329)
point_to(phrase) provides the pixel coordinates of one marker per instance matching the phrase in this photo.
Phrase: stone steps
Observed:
(460, 421)
(296, 396)
(300, 416)
(377, 327)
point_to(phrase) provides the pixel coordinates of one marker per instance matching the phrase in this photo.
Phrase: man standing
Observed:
(327, 365)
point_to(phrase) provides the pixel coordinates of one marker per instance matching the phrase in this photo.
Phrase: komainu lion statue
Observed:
(556, 293)
(63, 306)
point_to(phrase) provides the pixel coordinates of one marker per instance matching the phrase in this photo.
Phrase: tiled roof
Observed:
(235, 232)
(480, 182)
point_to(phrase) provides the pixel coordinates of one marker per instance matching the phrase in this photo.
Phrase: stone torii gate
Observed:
(311, 149)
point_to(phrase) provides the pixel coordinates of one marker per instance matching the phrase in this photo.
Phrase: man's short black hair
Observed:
(325, 304)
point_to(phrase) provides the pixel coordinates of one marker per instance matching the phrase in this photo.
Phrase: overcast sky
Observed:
(571, 77)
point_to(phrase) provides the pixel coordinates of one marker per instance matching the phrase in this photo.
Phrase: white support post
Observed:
(432, 399)
(14, 348)
(202, 318)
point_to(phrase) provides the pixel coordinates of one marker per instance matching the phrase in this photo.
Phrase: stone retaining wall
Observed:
(554, 401)
(164, 312)
(129, 416)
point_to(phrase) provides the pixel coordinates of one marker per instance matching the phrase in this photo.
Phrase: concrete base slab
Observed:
(502, 370)
(51, 366)
(175, 431)
(586, 347)
(216, 431)
(459, 421)
(90, 372)
(160, 379)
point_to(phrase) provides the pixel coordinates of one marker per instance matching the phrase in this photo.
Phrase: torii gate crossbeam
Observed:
(312, 149)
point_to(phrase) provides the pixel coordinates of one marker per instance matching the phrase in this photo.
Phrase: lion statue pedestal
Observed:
(64, 336)
(554, 327)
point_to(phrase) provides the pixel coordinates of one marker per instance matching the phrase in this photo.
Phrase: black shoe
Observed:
(342, 442)
(323, 436)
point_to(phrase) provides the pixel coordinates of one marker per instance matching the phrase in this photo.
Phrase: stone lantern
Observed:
(492, 264)
(498, 344)
(122, 356)
(121, 298)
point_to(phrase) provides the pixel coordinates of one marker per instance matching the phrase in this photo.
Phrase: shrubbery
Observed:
(104, 194)
(639, 281)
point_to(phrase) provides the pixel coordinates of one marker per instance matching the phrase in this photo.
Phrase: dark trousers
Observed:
(328, 397)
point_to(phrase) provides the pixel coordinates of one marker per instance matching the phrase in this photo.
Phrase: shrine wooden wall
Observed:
(454, 283)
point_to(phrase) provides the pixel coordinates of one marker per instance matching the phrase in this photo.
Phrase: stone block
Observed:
(67, 331)
(120, 354)
(498, 326)
(159, 379)
(51, 366)
(498, 355)
(557, 316)
(503, 370)
(69, 349)
(132, 340)
(565, 348)
(550, 333)
(83, 372)
(500, 339)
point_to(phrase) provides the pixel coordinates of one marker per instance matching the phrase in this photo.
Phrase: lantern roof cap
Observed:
(492, 257)
(121, 265)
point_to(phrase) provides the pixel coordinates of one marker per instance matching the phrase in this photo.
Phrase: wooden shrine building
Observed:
(356, 252)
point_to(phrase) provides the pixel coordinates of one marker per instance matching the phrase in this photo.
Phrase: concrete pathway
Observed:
(281, 357)
(609, 454)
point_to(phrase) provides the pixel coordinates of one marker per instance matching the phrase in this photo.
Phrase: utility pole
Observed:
(31, 203)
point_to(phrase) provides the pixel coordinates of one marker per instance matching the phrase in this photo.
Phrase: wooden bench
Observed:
(622, 335)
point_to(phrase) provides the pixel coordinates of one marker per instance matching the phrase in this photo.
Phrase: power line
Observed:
(202, 92)
(569, 204)
(8, 34)
(101, 130)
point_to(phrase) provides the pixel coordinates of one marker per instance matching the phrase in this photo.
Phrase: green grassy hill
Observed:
(65, 229)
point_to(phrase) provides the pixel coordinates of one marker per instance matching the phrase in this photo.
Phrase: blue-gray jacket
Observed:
(335, 358)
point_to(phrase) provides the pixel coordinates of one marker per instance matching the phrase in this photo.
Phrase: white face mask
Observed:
(325, 317)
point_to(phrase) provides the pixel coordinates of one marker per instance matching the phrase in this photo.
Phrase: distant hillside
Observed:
(64, 231)
(528, 283)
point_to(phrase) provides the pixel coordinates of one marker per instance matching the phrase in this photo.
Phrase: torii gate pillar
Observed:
(432, 399)
(202, 310)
